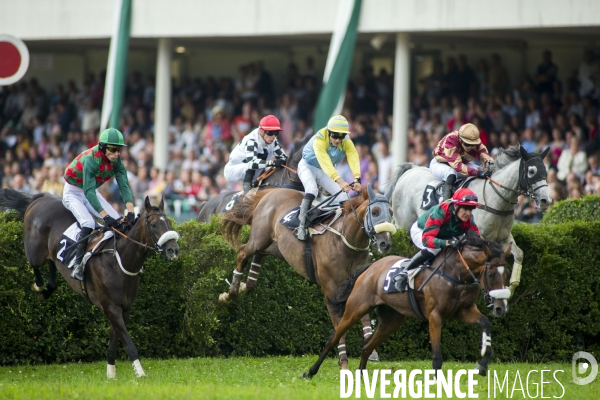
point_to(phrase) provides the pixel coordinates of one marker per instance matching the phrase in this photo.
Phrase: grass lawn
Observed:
(251, 378)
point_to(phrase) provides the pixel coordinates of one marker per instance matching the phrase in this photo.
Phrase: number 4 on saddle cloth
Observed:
(315, 215)
(434, 191)
(67, 247)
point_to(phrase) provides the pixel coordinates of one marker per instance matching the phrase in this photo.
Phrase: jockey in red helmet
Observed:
(440, 226)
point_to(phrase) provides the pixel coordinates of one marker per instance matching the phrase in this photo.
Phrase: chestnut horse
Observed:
(450, 294)
(336, 254)
(111, 275)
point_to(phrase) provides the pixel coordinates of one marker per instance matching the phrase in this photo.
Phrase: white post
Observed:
(162, 112)
(401, 99)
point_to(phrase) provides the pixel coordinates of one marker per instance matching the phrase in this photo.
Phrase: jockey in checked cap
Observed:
(321, 154)
(439, 227)
(86, 173)
(250, 156)
(454, 156)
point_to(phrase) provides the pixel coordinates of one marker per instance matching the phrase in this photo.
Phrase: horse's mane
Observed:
(477, 241)
(299, 144)
(355, 201)
(506, 157)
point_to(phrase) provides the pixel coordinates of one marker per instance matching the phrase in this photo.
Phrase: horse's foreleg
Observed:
(515, 276)
(38, 285)
(473, 316)
(341, 343)
(51, 287)
(234, 287)
(117, 320)
(435, 336)
(252, 274)
(111, 354)
(389, 321)
(367, 331)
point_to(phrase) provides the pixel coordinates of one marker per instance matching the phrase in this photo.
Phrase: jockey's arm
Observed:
(278, 151)
(320, 148)
(251, 151)
(353, 159)
(90, 172)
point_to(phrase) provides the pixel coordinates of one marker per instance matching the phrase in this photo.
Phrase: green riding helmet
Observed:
(112, 136)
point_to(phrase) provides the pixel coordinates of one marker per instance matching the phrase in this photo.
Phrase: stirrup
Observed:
(401, 281)
(78, 272)
(298, 231)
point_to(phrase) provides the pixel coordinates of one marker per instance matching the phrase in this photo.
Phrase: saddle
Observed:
(66, 251)
(399, 268)
(434, 191)
(316, 215)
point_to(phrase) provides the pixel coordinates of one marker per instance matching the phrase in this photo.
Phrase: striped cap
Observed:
(112, 136)
(338, 124)
(269, 123)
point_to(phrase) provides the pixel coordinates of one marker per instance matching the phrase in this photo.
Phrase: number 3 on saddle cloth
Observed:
(67, 247)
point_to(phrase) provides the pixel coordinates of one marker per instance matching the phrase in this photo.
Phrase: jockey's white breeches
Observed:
(236, 172)
(442, 170)
(416, 235)
(75, 201)
(312, 177)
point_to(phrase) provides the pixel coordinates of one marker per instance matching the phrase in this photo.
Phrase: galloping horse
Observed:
(450, 294)
(111, 276)
(515, 172)
(282, 178)
(335, 254)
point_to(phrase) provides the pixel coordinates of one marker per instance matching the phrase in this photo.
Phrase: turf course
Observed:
(248, 378)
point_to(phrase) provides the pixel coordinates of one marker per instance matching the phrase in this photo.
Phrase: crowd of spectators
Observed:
(42, 130)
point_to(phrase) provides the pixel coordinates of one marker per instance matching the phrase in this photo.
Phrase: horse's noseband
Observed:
(165, 237)
(494, 294)
(372, 229)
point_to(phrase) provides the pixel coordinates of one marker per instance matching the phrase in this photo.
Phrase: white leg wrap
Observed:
(111, 371)
(515, 276)
(137, 367)
(367, 331)
(341, 349)
(485, 342)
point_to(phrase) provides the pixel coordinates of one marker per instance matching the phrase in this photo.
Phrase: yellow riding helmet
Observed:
(338, 124)
(469, 134)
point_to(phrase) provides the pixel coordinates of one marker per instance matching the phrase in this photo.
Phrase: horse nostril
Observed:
(499, 310)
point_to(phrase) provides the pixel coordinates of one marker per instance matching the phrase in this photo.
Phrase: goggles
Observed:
(336, 135)
(272, 133)
(114, 149)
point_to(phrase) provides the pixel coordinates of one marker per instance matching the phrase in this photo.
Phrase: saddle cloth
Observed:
(237, 198)
(66, 248)
(291, 221)
(435, 190)
(399, 268)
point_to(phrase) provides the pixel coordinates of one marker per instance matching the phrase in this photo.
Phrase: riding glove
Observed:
(110, 221)
(131, 218)
(279, 162)
(455, 244)
(483, 174)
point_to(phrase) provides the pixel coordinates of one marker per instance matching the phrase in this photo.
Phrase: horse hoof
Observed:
(306, 375)
(111, 371)
(224, 298)
(38, 289)
(481, 370)
(374, 356)
(243, 288)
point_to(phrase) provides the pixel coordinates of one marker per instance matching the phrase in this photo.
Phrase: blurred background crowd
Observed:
(43, 129)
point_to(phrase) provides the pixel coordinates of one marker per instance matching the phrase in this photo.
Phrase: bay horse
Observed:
(514, 172)
(111, 275)
(337, 253)
(450, 294)
(280, 178)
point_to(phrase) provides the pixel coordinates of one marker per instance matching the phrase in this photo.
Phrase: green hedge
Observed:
(585, 209)
(554, 313)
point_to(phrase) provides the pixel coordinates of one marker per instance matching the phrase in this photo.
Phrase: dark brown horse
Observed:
(334, 255)
(450, 294)
(280, 178)
(111, 285)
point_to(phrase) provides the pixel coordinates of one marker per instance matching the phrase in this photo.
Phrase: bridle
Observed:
(369, 220)
(158, 242)
(525, 185)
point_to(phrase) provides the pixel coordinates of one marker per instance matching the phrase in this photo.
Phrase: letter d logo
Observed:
(579, 368)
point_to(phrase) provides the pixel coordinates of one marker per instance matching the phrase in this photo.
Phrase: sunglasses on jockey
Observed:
(272, 133)
(336, 135)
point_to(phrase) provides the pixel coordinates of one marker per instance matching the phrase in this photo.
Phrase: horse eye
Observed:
(376, 212)
(153, 225)
(532, 171)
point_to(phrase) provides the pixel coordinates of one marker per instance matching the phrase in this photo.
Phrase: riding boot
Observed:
(417, 260)
(302, 231)
(448, 186)
(78, 268)
(247, 184)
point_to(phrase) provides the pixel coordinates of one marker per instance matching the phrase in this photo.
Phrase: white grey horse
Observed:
(517, 171)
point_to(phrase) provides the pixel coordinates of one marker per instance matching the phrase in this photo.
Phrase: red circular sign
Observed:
(10, 59)
(14, 59)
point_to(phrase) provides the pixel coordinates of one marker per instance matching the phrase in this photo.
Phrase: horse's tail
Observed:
(339, 303)
(13, 200)
(402, 168)
(242, 214)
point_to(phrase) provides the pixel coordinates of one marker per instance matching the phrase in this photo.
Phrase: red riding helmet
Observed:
(465, 197)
